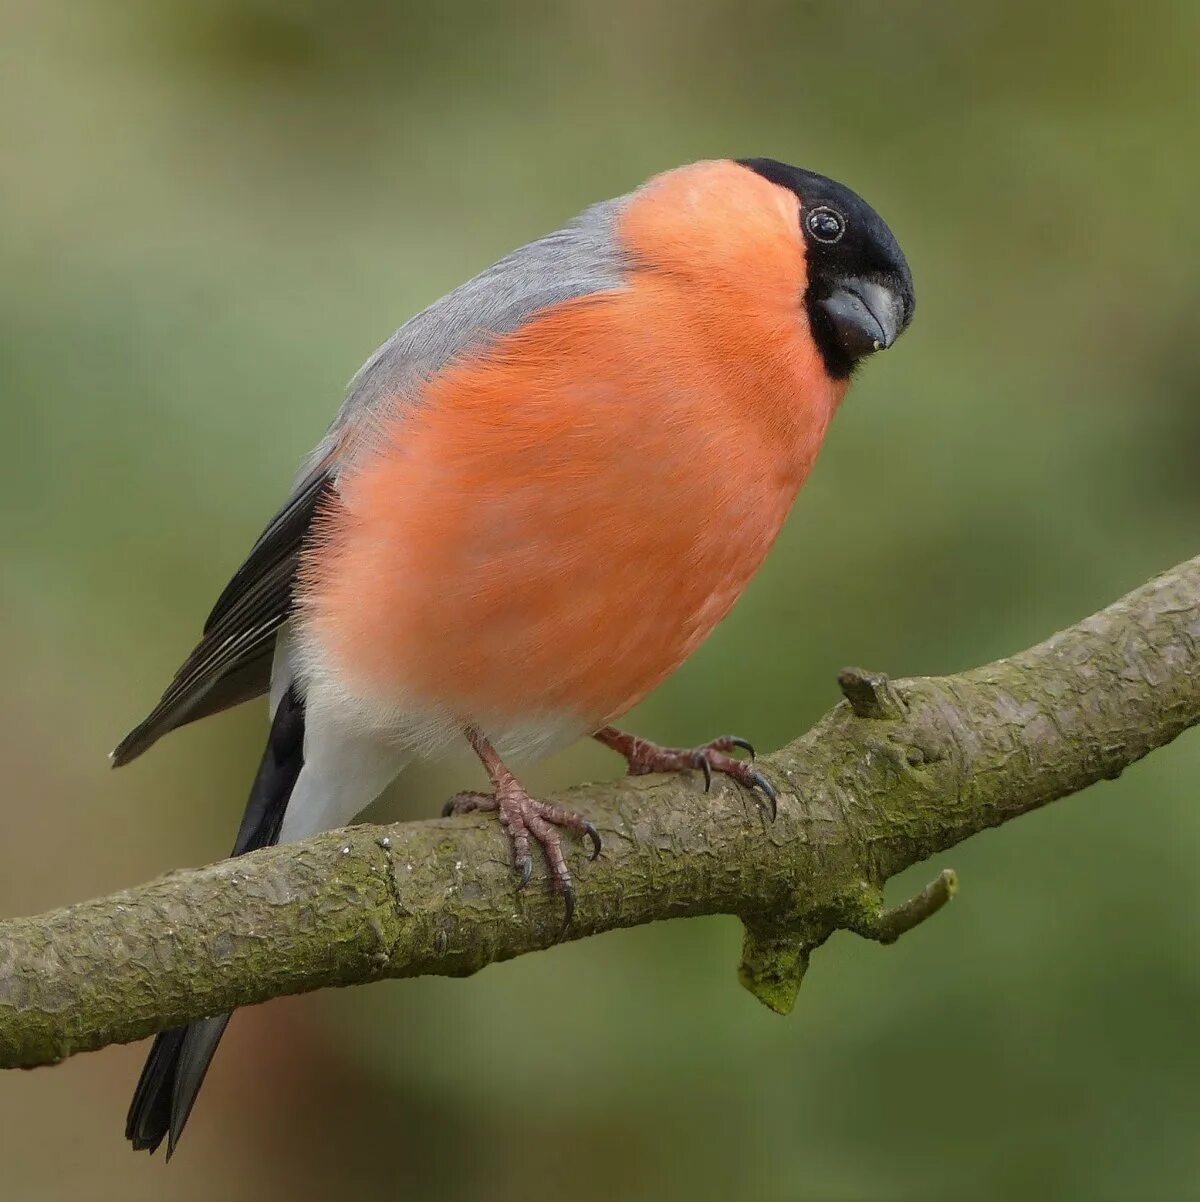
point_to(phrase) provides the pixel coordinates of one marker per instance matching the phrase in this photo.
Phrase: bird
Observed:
(538, 497)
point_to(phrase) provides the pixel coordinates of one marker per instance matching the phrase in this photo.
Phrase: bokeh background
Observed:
(211, 212)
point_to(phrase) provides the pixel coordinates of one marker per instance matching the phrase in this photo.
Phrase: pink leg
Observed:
(644, 756)
(523, 817)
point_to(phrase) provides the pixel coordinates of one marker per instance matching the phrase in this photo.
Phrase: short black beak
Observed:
(866, 316)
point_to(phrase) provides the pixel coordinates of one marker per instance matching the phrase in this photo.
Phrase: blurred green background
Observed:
(213, 211)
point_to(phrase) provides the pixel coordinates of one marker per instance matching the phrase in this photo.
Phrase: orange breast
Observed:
(560, 522)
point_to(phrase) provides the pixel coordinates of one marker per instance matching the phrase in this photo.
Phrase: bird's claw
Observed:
(746, 775)
(524, 865)
(593, 834)
(568, 896)
(644, 756)
(756, 780)
(524, 818)
(468, 803)
(744, 744)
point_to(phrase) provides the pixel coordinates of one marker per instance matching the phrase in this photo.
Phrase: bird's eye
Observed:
(825, 225)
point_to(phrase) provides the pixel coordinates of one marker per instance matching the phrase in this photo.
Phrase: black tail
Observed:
(180, 1057)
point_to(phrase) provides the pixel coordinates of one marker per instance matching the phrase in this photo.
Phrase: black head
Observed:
(860, 293)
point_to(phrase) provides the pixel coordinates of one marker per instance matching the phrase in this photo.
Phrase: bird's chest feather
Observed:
(556, 526)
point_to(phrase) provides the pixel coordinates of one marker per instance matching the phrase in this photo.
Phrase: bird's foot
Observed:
(524, 818)
(644, 757)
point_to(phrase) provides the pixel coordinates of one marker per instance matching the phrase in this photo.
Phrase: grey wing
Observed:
(581, 259)
(232, 661)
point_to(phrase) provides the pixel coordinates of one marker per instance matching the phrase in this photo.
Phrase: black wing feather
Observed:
(232, 661)
(179, 1057)
(279, 541)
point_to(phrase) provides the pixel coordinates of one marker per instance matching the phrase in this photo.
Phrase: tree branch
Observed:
(901, 770)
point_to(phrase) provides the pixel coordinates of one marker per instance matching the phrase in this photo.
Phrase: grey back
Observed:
(581, 258)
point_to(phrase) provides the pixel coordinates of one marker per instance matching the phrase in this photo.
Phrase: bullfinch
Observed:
(539, 496)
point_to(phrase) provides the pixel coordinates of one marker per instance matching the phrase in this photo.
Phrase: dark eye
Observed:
(825, 225)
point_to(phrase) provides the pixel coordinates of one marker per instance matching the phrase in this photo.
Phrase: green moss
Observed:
(773, 966)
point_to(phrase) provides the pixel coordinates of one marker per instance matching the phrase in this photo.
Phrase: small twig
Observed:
(870, 694)
(887, 925)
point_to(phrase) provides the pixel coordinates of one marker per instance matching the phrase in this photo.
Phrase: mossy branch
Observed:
(899, 771)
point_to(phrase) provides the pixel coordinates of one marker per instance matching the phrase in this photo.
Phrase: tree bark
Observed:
(896, 772)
